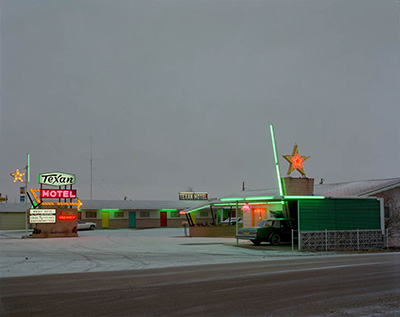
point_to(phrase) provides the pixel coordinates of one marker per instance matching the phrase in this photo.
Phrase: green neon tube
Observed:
(28, 166)
(304, 197)
(197, 209)
(260, 198)
(168, 209)
(227, 204)
(278, 173)
(232, 198)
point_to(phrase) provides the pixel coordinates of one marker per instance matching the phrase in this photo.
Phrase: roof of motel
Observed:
(348, 189)
(119, 204)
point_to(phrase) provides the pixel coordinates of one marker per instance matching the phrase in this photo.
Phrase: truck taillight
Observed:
(254, 233)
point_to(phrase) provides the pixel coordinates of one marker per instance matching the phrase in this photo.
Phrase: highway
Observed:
(351, 285)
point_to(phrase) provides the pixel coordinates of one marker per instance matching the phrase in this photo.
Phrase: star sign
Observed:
(18, 176)
(296, 161)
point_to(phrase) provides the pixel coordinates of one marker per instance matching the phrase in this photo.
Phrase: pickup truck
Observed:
(274, 231)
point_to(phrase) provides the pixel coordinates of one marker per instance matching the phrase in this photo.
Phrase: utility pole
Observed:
(91, 167)
(27, 180)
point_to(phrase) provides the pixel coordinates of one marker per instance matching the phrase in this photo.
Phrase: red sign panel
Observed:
(58, 193)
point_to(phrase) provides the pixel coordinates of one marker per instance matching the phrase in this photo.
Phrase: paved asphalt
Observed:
(351, 285)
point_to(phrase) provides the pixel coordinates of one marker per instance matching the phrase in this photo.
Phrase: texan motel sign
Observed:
(56, 179)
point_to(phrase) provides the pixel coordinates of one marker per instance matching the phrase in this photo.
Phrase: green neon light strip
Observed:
(304, 197)
(28, 166)
(109, 209)
(278, 173)
(232, 199)
(227, 204)
(197, 209)
(260, 198)
(168, 209)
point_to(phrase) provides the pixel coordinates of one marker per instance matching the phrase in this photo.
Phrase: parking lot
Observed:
(126, 249)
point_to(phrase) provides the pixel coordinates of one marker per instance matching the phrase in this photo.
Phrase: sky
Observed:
(144, 99)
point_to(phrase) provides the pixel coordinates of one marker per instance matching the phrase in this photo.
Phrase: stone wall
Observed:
(213, 231)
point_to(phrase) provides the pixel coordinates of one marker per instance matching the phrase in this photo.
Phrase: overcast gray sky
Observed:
(181, 93)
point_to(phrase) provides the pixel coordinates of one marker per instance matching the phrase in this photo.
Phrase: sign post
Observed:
(27, 179)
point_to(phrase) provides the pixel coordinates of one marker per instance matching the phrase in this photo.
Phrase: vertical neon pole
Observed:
(27, 179)
(278, 173)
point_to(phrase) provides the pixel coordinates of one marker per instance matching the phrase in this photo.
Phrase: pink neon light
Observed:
(58, 193)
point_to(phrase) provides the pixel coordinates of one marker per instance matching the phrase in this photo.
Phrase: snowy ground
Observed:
(125, 249)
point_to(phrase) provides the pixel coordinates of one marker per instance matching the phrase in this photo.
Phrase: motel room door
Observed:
(163, 218)
(105, 219)
(132, 219)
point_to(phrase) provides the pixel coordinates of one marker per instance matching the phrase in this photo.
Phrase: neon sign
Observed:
(296, 161)
(33, 191)
(56, 179)
(67, 217)
(58, 193)
(18, 176)
(193, 196)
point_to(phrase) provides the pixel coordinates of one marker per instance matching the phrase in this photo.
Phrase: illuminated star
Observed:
(296, 161)
(18, 176)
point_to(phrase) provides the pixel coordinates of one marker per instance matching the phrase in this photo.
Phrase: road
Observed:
(352, 285)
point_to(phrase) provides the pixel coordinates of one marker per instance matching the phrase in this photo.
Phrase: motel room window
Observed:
(145, 214)
(119, 214)
(175, 214)
(91, 214)
(203, 214)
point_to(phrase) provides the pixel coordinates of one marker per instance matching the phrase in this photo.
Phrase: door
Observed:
(163, 218)
(132, 219)
(105, 219)
(79, 214)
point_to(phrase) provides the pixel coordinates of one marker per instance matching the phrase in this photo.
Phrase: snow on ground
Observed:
(125, 249)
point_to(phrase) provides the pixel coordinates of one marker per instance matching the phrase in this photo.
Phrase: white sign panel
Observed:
(56, 179)
(42, 211)
(42, 219)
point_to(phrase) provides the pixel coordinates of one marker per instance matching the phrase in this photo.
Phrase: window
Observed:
(91, 214)
(175, 214)
(145, 214)
(119, 214)
(203, 214)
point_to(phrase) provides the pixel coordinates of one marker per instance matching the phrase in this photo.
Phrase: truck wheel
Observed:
(275, 239)
(256, 241)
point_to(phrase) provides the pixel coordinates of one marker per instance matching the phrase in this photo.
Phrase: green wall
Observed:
(339, 214)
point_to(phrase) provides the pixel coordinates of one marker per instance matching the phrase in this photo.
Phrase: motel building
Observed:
(350, 215)
(319, 209)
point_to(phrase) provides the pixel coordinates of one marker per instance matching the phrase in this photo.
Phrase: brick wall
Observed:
(299, 186)
(147, 223)
(119, 223)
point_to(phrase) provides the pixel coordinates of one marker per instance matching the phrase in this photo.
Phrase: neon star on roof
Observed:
(296, 161)
(18, 176)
